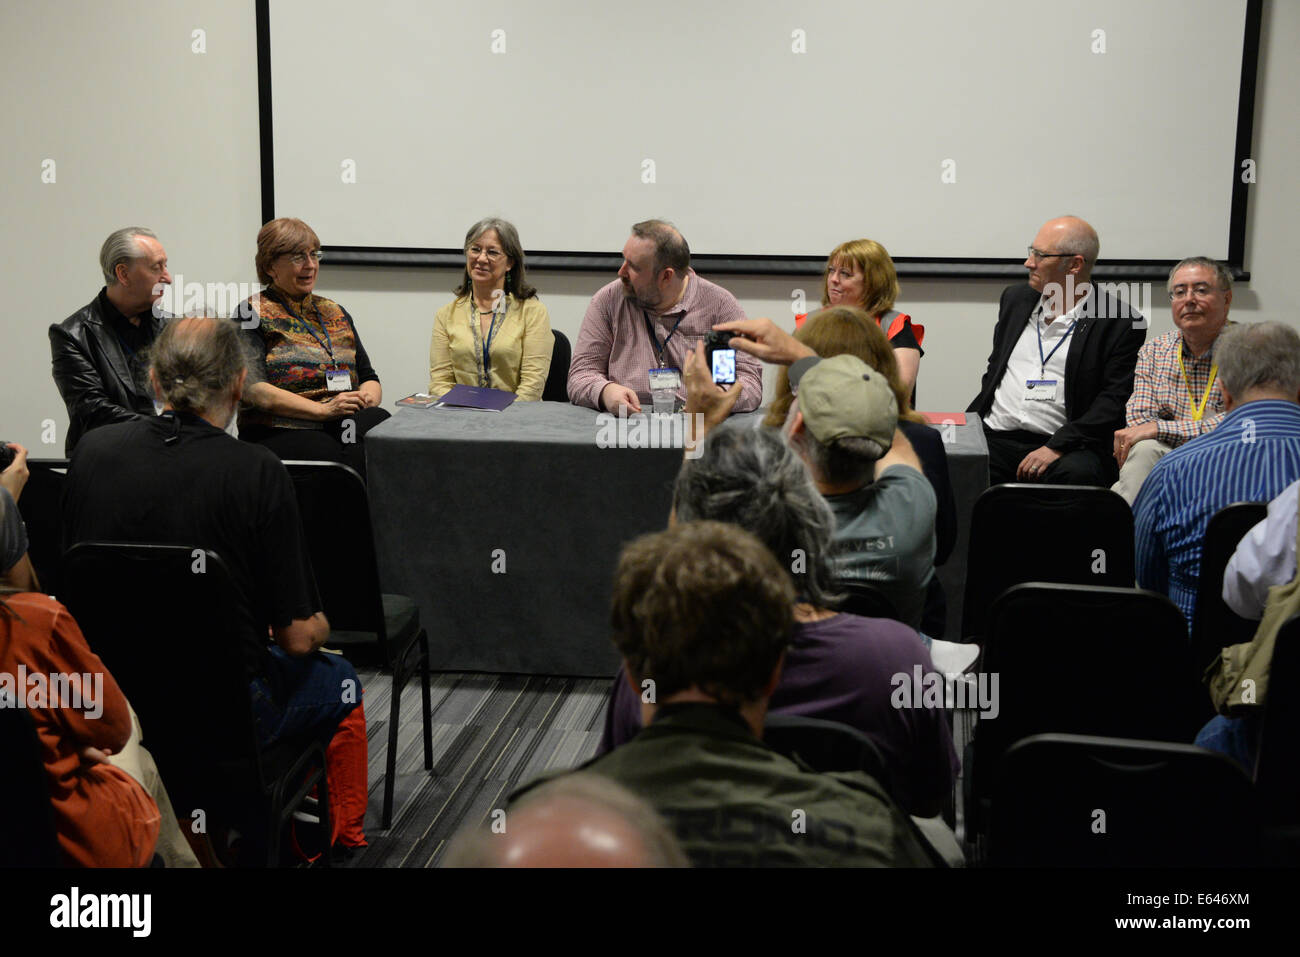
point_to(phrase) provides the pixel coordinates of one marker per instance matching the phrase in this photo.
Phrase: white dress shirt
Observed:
(1011, 410)
(1264, 558)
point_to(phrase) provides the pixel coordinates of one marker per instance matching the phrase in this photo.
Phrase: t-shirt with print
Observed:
(884, 536)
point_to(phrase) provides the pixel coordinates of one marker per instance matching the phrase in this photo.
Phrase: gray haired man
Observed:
(99, 352)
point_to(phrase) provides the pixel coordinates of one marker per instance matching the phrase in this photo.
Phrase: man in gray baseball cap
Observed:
(844, 424)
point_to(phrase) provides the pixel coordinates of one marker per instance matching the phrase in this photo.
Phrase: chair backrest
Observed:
(1073, 534)
(865, 599)
(27, 836)
(1277, 772)
(826, 745)
(1075, 801)
(1214, 624)
(335, 513)
(164, 620)
(557, 379)
(1074, 659)
(41, 505)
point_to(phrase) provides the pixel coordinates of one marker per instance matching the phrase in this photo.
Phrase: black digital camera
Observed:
(6, 456)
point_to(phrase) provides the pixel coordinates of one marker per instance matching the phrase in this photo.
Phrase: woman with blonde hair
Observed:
(859, 273)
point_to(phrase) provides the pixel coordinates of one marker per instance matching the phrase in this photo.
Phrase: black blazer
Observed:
(1098, 369)
(92, 371)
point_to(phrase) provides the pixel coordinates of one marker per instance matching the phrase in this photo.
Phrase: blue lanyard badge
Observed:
(661, 350)
(493, 326)
(1044, 358)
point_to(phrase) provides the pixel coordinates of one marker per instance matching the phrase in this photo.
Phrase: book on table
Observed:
(476, 397)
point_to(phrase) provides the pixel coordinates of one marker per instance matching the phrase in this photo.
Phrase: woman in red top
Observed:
(102, 815)
(860, 273)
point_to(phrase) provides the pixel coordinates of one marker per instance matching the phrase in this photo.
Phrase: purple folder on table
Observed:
(477, 397)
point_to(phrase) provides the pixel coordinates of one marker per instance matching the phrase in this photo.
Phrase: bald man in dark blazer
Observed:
(1061, 368)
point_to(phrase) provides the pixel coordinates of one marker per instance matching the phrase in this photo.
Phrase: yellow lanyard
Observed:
(1197, 410)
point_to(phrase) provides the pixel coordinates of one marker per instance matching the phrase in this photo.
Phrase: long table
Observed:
(505, 527)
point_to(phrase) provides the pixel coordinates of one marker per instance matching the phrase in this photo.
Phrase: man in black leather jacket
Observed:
(99, 352)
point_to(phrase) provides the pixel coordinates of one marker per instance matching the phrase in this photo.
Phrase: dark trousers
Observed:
(320, 445)
(1080, 467)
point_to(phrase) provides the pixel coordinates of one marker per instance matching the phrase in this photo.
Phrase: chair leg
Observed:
(394, 712)
(428, 707)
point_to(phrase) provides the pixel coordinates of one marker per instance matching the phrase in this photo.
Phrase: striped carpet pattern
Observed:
(491, 733)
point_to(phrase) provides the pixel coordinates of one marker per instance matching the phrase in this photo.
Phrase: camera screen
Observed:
(724, 366)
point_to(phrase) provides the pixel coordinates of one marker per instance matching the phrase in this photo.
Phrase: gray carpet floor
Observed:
(491, 733)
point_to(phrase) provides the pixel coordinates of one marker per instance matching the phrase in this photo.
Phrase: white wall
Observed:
(159, 136)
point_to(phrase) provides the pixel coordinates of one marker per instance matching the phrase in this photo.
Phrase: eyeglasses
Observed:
(1202, 290)
(299, 259)
(1039, 254)
(493, 255)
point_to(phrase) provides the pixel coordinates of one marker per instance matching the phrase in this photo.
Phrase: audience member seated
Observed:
(1176, 394)
(110, 808)
(16, 569)
(496, 333)
(1259, 582)
(840, 330)
(312, 393)
(1251, 456)
(702, 615)
(180, 479)
(844, 427)
(578, 820)
(648, 321)
(1061, 367)
(839, 667)
(99, 351)
(859, 274)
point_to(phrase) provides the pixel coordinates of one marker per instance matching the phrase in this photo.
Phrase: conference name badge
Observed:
(338, 380)
(667, 380)
(1040, 390)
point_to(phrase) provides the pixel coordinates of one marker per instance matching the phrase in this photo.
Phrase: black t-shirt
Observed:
(208, 490)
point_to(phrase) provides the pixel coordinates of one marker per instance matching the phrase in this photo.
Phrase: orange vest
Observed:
(896, 322)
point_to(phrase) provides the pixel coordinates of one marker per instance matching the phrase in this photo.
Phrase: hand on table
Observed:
(615, 398)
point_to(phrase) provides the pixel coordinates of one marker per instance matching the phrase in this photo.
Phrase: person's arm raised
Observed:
(764, 339)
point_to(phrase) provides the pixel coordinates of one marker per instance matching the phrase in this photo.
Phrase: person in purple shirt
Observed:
(840, 667)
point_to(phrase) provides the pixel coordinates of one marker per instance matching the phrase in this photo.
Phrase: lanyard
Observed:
(1042, 369)
(486, 379)
(661, 349)
(1197, 410)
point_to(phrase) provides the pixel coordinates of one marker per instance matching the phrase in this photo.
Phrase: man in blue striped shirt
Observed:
(1251, 457)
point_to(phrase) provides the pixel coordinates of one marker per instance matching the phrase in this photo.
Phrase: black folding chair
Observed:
(1073, 659)
(825, 745)
(41, 505)
(163, 619)
(1082, 801)
(27, 835)
(1277, 772)
(865, 599)
(1072, 534)
(557, 379)
(1214, 624)
(336, 520)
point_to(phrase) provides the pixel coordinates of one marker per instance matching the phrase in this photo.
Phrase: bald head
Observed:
(1070, 234)
(579, 820)
(198, 366)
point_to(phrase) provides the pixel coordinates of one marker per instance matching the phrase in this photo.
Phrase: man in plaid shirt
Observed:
(1176, 394)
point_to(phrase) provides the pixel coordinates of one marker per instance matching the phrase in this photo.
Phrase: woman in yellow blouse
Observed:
(496, 332)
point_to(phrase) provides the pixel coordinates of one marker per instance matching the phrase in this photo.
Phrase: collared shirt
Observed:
(1010, 409)
(519, 355)
(614, 346)
(135, 340)
(1265, 557)
(1251, 457)
(1161, 395)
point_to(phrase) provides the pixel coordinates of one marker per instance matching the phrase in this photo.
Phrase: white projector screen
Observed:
(943, 129)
